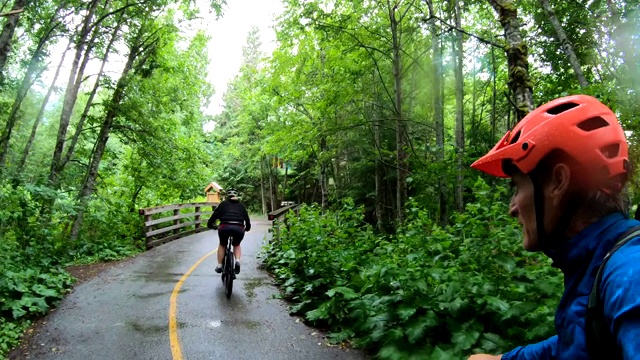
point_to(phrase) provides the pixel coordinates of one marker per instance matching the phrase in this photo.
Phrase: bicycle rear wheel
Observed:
(229, 273)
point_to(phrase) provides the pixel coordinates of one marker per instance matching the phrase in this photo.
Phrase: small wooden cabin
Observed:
(212, 191)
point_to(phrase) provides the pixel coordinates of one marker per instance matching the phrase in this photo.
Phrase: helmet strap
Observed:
(551, 240)
(538, 204)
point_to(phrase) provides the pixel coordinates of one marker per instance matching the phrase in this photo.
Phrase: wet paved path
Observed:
(124, 312)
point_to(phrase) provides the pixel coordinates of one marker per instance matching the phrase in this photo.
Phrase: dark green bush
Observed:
(35, 248)
(426, 292)
(31, 284)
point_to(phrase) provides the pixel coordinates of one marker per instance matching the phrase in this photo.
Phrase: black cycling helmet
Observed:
(232, 193)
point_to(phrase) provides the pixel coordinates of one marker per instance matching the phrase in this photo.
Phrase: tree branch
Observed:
(453, 27)
(12, 12)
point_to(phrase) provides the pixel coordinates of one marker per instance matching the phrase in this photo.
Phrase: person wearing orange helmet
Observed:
(568, 162)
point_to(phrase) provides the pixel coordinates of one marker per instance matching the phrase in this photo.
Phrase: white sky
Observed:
(229, 35)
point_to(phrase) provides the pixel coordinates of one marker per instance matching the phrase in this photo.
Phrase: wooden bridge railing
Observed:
(279, 215)
(161, 227)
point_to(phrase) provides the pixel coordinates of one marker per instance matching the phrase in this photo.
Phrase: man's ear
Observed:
(559, 182)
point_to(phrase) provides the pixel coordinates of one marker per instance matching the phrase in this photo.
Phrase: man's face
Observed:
(522, 207)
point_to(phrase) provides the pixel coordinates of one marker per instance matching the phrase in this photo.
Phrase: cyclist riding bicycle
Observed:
(568, 162)
(234, 221)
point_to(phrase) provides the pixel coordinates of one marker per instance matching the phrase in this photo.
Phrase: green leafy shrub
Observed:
(426, 292)
(10, 333)
(110, 232)
(31, 285)
(33, 280)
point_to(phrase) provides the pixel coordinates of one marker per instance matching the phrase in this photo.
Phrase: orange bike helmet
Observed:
(579, 125)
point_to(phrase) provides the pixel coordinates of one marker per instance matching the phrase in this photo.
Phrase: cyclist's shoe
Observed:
(237, 269)
(219, 269)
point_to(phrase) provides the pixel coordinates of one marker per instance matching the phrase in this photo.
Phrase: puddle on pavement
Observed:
(245, 323)
(150, 329)
(152, 295)
(249, 324)
(163, 277)
(251, 284)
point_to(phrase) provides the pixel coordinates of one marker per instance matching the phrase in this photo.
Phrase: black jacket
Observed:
(230, 211)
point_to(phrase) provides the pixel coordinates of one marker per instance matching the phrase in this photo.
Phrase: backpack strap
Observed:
(600, 342)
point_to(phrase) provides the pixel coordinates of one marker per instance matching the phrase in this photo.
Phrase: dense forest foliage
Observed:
(370, 112)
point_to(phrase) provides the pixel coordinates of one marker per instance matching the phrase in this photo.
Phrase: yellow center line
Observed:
(176, 353)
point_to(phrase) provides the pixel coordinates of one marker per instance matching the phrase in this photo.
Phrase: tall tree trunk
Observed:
(474, 99)
(14, 116)
(284, 183)
(15, 108)
(6, 36)
(276, 188)
(71, 93)
(517, 53)
(324, 181)
(262, 194)
(273, 187)
(566, 44)
(134, 198)
(43, 107)
(101, 143)
(401, 126)
(493, 94)
(379, 205)
(380, 198)
(459, 80)
(438, 113)
(25, 85)
(89, 103)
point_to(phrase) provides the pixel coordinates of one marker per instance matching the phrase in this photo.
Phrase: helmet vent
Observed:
(515, 137)
(561, 108)
(610, 151)
(593, 124)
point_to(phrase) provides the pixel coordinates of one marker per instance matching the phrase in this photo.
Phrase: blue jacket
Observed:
(620, 292)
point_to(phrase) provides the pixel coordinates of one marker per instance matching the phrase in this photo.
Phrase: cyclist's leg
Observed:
(223, 234)
(238, 235)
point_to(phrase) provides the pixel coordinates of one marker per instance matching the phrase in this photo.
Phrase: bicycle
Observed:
(228, 268)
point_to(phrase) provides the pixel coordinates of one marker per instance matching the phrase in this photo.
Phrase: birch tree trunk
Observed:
(566, 44)
(517, 56)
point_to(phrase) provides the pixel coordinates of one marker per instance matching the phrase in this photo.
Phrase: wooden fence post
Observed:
(176, 212)
(197, 217)
(147, 229)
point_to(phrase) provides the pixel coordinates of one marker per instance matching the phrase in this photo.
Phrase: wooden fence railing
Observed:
(169, 222)
(279, 215)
